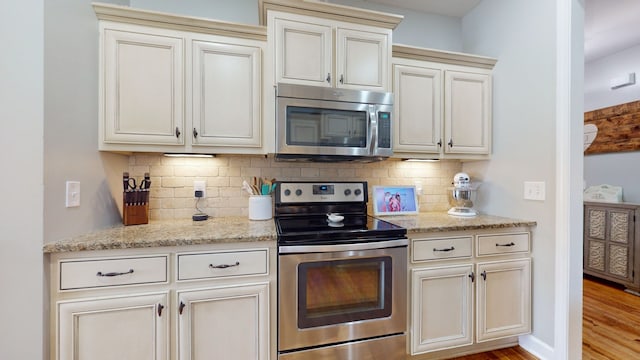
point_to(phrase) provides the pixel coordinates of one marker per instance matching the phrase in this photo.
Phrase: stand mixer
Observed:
(462, 195)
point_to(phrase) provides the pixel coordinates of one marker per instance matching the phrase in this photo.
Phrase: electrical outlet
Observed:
(72, 197)
(534, 190)
(200, 185)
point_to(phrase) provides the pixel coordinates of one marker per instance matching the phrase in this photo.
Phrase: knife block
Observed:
(134, 214)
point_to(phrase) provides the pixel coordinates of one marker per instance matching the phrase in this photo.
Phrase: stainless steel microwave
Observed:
(327, 124)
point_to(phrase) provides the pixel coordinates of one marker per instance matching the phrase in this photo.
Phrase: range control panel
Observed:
(304, 192)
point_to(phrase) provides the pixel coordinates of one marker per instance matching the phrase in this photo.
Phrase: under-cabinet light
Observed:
(421, 160)
(189, 155)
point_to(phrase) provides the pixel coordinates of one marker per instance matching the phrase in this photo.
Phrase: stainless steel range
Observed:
(342, 275)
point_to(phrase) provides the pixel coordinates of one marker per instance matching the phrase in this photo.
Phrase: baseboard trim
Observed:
(536, 347)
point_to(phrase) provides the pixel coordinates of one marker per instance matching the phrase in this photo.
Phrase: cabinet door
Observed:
(128, 327)
(362, 59)
(442, 309)
(418, 114)
(609, 243)
(503, 299)
(143, 92)
(303, 53)
(224, 323)
(226, 94)
(467, 110)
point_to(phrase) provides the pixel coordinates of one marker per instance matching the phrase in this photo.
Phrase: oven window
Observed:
(326, 127)
(340, 291)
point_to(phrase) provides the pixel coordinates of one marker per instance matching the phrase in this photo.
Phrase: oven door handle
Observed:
(372, 245)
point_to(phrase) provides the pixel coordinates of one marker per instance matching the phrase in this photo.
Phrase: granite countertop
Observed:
(240, 229)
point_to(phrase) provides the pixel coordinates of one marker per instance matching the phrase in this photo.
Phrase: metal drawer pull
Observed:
(472, 276)
(484, 275)
(509, 244)
(160, 307)
(114, 273)
(223, 266)
(181, 307)
(447, 249)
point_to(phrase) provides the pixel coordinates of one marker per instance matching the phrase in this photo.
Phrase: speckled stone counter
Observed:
(169, 233)
(439, 222)
(240, 229)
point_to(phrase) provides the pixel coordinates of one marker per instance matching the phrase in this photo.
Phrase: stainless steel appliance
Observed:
(342, 275)
(326, 124)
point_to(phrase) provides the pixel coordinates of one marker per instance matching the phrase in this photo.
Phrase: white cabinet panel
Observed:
(226, 94)
(417, 107)
(442, 312)
(224, 323)
(503, 299)
(467, 112)
(362, 59)
(304, 52)
(143, 93)
(94, 273)
(128, 327)
(222, 264)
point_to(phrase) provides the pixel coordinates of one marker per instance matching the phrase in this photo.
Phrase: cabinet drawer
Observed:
(441, 248)
(503, 243)
(222, 264)
(94, 273)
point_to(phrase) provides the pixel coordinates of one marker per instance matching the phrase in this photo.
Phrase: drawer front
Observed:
(441, 248)
(497, 244)
(96, 273)
(222, 264)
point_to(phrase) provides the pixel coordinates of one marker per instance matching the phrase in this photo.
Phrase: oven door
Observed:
(339, 293)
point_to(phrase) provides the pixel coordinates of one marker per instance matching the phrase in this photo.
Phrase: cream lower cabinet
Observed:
(224, 323)
(213, 302)
(462, 301)
(441, 109)
(126, 327)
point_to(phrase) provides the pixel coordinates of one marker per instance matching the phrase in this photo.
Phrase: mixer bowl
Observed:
(461, 198)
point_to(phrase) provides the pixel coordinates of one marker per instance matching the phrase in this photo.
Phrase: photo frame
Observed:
(395, 200)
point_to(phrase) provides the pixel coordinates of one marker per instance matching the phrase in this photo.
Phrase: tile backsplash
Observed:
(172, 180)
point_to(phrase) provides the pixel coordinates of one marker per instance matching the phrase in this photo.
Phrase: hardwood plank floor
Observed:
(610, 322)
(610, 326)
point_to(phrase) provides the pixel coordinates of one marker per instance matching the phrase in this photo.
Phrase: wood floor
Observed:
(610, 326)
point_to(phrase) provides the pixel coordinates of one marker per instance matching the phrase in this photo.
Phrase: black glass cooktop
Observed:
(316, 229)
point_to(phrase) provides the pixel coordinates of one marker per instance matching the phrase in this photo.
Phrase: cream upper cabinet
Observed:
(442, 104)
(178, 84)
(323, 52)
(467, 113)
(142, 93)
(304, 52)
(418, 107)
(226, 92)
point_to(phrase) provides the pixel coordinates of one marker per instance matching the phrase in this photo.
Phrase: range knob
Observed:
(357, 192)
(298, 192)
(287, 192)
(347, 192)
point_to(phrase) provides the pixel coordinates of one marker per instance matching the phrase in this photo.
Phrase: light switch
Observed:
(534, 190)
(73, 194)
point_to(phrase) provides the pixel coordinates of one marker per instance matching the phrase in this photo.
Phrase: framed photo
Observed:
(395, 200)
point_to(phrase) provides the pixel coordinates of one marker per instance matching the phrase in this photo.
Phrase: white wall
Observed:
(241, 11)
(21, 113)
(71, 124)
(419, 28)
(523, 129)
(613, 168)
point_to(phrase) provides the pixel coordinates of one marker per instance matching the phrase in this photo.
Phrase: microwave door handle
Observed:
(373, 131)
